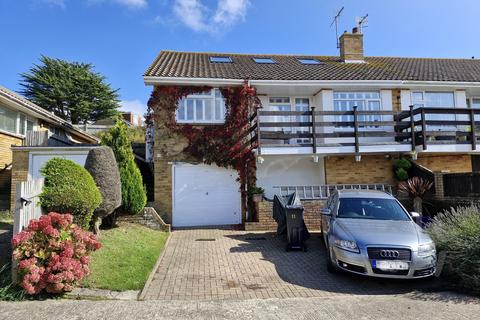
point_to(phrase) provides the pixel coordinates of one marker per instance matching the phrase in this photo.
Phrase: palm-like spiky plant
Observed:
(416, 188)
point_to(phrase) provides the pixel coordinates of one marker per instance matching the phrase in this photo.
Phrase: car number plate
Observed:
(390, 265)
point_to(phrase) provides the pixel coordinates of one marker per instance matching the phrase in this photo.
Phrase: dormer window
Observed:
(264, 60)
(202, 108)
(219, 59)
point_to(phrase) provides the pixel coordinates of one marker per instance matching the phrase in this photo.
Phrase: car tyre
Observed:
(330, 266)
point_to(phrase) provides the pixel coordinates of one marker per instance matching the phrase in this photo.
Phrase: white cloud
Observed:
(198, 17)
(230, 12)
(135, 106)
(133, 3)
(192, 13)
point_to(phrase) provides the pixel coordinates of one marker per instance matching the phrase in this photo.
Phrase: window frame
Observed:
(315, 61)
(202, 96)
(292, 104)
(212, 58)
(424, 100)
(366, 102)
(18, 116)
(256, 60)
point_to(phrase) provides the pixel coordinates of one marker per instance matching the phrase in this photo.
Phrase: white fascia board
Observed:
(54, 149)
(190, 81)
(316, 83)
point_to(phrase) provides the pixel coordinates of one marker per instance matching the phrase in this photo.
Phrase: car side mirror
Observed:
(415, 216)
(326, 212)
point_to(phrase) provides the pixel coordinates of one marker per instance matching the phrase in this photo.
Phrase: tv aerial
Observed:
(335, 22)
(362, 23)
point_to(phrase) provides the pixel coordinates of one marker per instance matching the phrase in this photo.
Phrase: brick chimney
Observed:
(351, 47)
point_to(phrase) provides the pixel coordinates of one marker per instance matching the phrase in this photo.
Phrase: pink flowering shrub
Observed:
(53, 254)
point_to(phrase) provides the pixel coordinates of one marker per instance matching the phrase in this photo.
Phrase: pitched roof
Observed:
(45, 114)
(173, 64)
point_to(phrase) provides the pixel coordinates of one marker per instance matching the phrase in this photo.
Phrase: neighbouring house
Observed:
(24, 127)
(326, 122)
(131, 120)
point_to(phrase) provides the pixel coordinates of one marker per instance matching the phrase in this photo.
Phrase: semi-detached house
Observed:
(326, 122)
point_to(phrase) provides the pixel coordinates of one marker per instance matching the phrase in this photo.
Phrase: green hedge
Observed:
(134, 195)
(457, 233)
(69, 188)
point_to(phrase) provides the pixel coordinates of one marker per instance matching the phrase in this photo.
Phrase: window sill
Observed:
(15, 135)
(201, 123)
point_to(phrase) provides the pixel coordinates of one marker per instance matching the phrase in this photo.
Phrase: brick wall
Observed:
(351, 46)
(371, 169)
(6, 141)
(396, 100)
(19, 172)
(453, 163)
(312, 216)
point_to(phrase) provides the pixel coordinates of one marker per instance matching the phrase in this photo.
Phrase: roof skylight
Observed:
(308, 61)
(218, 59)
(264, 60)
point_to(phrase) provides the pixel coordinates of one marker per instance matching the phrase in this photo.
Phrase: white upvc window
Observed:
(15, 122)
(290, 104)
(203, 108)
(433, 99)
(364, 100)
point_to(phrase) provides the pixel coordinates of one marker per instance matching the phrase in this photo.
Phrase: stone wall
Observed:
(371, 169)
(168, 148)
(312, 216)
(149, 218)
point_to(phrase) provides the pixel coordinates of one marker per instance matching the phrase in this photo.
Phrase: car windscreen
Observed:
(371, 208)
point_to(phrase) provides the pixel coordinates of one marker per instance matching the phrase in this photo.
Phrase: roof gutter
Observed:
(148, 80)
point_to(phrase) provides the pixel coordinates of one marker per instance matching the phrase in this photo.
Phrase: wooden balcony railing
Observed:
(357, 128)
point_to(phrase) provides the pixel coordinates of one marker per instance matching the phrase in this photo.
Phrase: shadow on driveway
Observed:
(308, 269)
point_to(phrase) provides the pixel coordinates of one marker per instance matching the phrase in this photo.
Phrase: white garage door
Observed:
(205, 195)
(38, 160)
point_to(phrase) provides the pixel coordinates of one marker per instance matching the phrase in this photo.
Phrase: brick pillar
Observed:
(439, 191)
(163, 187)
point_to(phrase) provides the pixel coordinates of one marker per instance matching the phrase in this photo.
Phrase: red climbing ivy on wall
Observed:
(225, 145)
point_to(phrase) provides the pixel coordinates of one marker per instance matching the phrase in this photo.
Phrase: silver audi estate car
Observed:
(370, 233)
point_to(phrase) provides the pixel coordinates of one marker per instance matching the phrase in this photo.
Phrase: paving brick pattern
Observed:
(242, 265)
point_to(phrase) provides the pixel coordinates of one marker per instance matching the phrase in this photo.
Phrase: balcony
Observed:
(363, 132)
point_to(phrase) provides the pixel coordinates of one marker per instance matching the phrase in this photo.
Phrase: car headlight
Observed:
(348, 245)
(426, 249)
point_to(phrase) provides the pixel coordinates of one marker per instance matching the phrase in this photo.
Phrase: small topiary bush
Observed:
(52, 254)
(101, 164)
(69, 188)
(457, 233)
(134, 196)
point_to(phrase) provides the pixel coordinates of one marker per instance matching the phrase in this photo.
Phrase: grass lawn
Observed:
(126, 258)
(6, 218)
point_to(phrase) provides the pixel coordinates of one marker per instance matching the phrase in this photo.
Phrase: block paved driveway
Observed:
(213, 264)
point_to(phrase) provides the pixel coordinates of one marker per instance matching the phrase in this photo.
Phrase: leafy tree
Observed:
(69, 188)
(134, 196)
(71, 90)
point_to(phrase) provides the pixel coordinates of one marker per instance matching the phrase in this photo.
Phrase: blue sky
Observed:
(122, 37)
